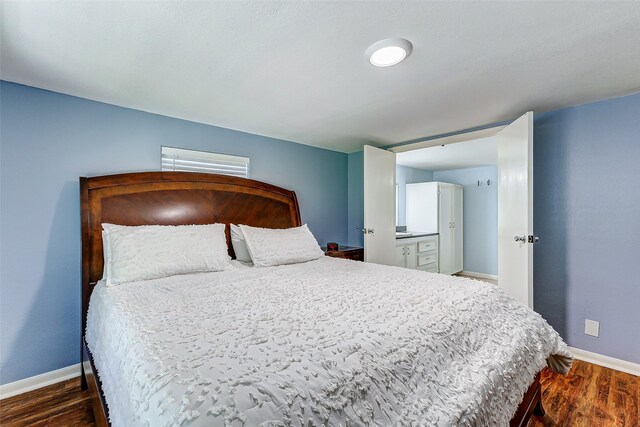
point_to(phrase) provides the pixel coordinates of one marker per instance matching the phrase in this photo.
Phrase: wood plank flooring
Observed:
(61, 404)
(589, 395)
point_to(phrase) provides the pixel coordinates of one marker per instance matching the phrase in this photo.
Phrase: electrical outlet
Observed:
(591, 327)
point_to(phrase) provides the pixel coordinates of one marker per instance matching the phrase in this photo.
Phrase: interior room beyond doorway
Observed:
(472, 165)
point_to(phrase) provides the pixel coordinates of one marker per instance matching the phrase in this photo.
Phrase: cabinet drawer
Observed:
(427, 258)
(431, 268)
(427, 245)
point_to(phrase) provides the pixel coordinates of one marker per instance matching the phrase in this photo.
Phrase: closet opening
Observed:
(514, 183)
(447, 208)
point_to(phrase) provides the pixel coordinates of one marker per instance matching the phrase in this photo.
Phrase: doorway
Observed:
(515, 201)
(472, 166)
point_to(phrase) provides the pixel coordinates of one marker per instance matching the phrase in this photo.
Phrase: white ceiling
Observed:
(297, 71)
(461, 155)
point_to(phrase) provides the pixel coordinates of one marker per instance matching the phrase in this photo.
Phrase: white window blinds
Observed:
(177, 159)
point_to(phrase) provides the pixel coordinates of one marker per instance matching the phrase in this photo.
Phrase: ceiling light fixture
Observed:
(388, 52)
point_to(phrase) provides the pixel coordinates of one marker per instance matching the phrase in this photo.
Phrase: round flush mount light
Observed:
(388, 52)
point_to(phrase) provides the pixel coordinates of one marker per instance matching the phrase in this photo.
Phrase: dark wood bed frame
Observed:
(181, 198)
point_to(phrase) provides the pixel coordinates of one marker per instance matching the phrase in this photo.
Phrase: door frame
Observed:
(429, 142)
(451, 139)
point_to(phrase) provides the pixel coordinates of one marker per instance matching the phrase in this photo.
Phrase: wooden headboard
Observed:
(174, 198)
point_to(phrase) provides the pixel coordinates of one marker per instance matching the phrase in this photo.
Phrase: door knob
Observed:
(527, 239)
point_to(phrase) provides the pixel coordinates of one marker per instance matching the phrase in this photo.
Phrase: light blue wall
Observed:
(480, 216)
(587, 214)
(356, 199)
(48, 141)
(406, 175)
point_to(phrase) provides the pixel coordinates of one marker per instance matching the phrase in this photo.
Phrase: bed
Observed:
(326, 342)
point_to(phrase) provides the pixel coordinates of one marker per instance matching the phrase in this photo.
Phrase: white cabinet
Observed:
(450, 228)
(428, 254)
(406, 254)
(401, 255)
(418, 253)
(436, 207)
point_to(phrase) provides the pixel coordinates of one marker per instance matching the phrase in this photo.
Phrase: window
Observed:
(177, 159)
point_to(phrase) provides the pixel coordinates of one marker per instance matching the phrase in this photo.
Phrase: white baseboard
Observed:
(479, 275)
(606, 361)
(42, 380)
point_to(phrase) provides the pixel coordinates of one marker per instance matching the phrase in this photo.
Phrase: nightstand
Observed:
(349, 252)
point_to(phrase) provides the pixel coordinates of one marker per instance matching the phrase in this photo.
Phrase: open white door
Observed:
(379, 206)
(515, 209)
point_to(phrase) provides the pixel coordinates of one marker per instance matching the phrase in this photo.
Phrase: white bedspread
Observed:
(328, 342)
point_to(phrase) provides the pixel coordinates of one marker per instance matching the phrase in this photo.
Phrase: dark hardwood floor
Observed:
(589, 395)
(61, 404)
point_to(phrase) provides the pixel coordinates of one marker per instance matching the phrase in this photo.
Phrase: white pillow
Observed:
(239, 244)
(269, 246)
(105, 236)
(154, 251)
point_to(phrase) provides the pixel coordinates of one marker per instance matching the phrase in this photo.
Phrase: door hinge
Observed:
(533, 239)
